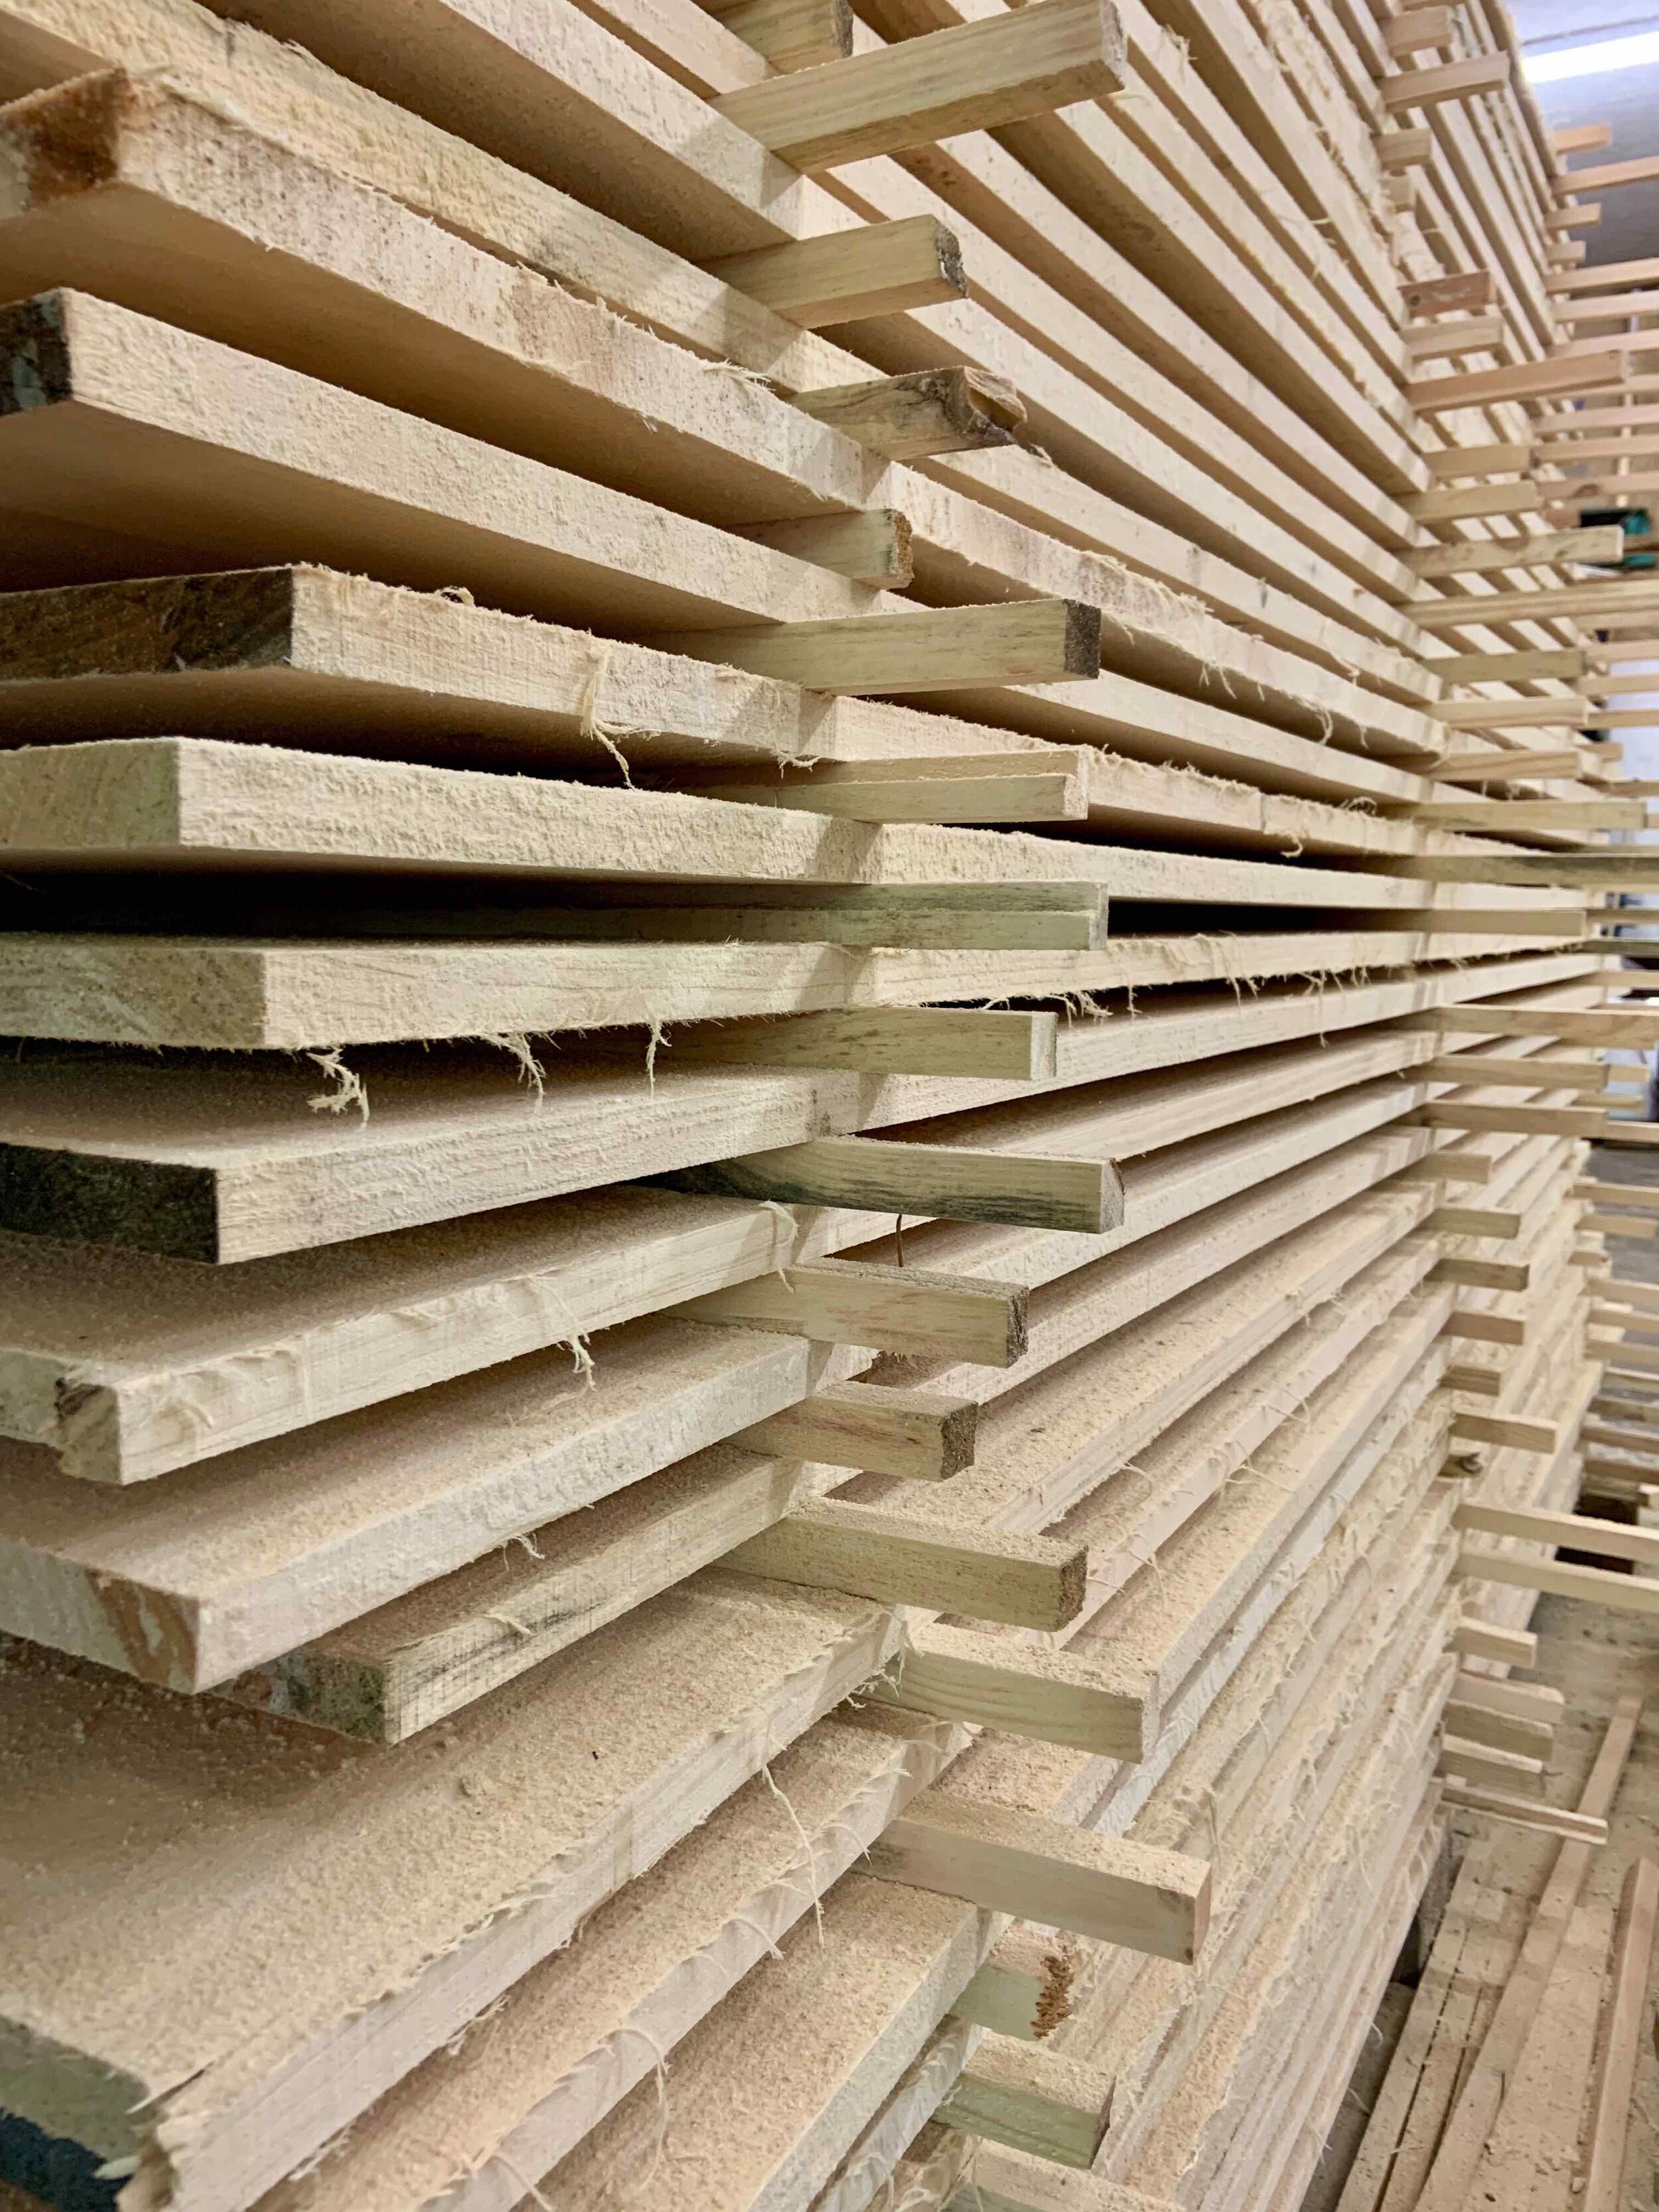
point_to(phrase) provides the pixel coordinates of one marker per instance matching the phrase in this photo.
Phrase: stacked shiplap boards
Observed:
(800, 890)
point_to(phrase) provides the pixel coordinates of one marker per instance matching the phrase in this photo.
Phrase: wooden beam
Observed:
(1519, 765)
(1643, 170)
(1613, 487)
(1537, 1072)
(1535, 1701)
(1482, 921)
(1473, 1763)
(1620, 1196)
(1627, 448)
(1025, 1988)
(1431, 88)
(971, 76)
(1612, 868)
(929, 411)
(1107, 1888)
(1486, 1328)
(1472, 1221)
(942, 649)
(1484, 1639)
(1485, 1274)
(1612, 2079)
(1398, 150)
(1509, 1432)
(1583, 601)
(853, 275)
(1603, 1469)
(1593, 1585)
(1053, 1697)
(1561, 375)
(522, 689)
(919, 1435)
(1492, 461)
(1440, 340)
(791, 34)
(1612, 306)
(1418, 30)
(970, 918)
(1572, 713)
(1598, 279)
(833, 1543)
(1577, 1532)
(1502, 1731)
(1461, 502)
(1570, 663)
(1042, 793)
(1577, 217)
(873, 546)
(1497, 818)
(1445, 1166)
(1571, 1025)
(1480, 1382)
(1582, 138)
(840, 786)
(1515, 1120)
(948, 1041)
(1545, 548)
(1033, 2100)
(901, 1309)
(1466, 294)
(1546, 1820)
(956, 1182)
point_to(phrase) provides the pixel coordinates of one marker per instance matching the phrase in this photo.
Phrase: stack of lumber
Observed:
(800, 852)
(1606, 445)
(1512, 2080)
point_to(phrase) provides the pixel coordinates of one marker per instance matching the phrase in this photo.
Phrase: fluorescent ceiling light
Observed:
(1593, 60)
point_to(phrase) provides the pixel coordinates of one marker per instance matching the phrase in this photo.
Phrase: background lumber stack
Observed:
(801, 842)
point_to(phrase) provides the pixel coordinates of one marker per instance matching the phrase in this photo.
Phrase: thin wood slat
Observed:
(1431, 88)
(973, 76)
(1107, 1887)
(1481, 2100)
(1613, 2075)
(849, 276)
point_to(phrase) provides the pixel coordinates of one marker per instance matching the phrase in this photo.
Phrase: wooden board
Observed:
(185, 216)
(217, 1570)
(575, 1845)
(193, 803)
(290, 1176)
(150, 448)
(973, 77)
(370, 668)
(187, 1365)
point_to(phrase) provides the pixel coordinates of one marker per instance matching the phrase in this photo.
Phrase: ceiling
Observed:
(1627, 99)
